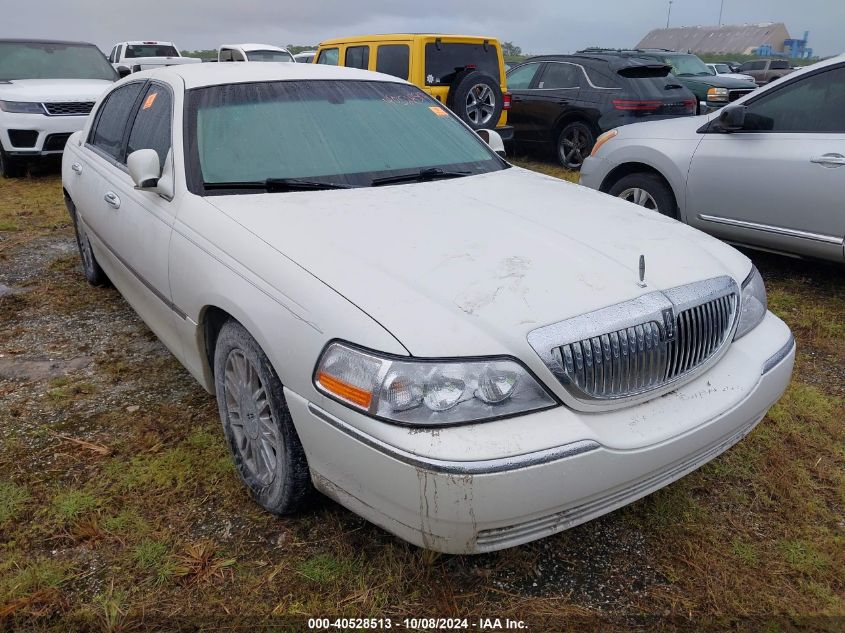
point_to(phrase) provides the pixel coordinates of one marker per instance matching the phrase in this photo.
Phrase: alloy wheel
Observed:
(480, 104)
(639, 197)
(574, 146)
(255, 431)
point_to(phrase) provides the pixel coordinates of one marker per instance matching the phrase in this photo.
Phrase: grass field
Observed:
(119, 506)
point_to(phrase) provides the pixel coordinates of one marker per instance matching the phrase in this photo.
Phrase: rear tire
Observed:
(257, 423)
(646, 190)
(574, 144)
(476, 98)
(94, 274)
(11, 167)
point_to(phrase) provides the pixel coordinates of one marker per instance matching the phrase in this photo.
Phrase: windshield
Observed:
(269, 56)
(42, 60)
(150, 50)
(341, 132)
(686, 65)
(722, 68)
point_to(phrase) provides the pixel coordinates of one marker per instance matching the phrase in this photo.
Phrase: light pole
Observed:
(668, 13)
(721, 6)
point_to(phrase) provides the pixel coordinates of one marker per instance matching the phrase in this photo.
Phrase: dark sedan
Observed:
(563, 102)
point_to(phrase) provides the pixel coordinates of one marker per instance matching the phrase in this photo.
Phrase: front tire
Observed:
(574, 144)
(257, 423)
(646, 190)
(10, 167)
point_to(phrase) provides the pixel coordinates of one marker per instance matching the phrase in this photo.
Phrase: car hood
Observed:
(717, 81)
(41, 90)
(469, 266)
(675, 129)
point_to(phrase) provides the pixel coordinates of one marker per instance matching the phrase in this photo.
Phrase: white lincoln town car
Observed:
(466, 353)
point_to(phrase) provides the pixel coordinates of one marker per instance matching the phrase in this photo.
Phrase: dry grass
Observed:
(156, 526)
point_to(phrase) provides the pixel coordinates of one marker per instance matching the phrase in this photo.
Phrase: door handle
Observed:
(112, 200)
(77, 168)
(829, 160)
(517, 99)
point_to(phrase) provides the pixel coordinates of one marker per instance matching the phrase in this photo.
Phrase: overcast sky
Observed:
(538, 26)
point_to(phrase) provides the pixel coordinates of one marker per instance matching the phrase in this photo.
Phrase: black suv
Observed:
(565, 101)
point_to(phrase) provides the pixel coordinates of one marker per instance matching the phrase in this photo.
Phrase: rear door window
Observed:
(444, 60)
(392, 59)
(557, 76)
(358, 57)
(779, 65)
(328, 56)
(107, 135)
(151, 128)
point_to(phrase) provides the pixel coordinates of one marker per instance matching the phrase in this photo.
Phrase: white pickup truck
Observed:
(130, 57)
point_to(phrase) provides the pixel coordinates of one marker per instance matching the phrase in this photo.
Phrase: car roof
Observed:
(13, 40)
(615, 62)
(199, 75)
(255, 47)
(155, 42)
(388, 37)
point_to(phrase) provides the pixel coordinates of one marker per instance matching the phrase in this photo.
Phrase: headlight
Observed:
(753, 303)
(22, 107)
(717, 94)
(601, 140)
(428, 392)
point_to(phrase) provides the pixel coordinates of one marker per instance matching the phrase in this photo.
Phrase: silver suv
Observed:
(767, 171)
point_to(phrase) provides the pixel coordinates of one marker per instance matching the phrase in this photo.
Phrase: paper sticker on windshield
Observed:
(148, 102)
(438, 110)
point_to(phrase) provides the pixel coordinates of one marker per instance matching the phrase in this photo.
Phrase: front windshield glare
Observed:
(686, 65)
(46, 60)
(341, 132)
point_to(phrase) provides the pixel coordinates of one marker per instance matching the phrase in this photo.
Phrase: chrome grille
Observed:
(658, 339)
(69, 108)
(733, 95)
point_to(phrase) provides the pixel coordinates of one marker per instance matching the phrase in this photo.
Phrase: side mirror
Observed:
(144, 168)
(492, 138)
(731, 118)
(123, 71)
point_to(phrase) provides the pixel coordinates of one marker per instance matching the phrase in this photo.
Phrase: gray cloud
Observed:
(538, 26)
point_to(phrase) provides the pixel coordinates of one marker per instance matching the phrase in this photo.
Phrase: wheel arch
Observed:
(625, 169)
(572, 117)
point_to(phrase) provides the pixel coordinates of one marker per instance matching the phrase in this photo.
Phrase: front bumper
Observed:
(414, 489)
(52, 132)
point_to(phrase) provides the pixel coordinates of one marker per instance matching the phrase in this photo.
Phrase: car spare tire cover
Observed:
(476, 98)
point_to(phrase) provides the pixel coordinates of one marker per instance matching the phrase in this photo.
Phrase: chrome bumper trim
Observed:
(778, 356)
(480, 467)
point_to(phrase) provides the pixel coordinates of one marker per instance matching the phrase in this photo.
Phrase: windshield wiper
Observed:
(430, 173)
(278, 184)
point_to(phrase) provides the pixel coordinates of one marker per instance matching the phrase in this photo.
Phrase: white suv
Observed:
(47, 89)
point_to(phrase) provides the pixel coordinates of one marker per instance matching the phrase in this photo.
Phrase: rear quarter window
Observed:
(444, 60)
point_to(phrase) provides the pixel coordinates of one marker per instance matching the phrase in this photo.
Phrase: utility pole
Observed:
(721, 6)
(668, 13)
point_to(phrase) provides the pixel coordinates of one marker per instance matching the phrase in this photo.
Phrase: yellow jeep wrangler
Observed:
(466, 73)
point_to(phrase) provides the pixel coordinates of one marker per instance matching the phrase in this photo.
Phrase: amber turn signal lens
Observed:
(601, 140)
(345, 391)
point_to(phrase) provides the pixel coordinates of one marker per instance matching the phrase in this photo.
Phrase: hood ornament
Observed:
(642, 283)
